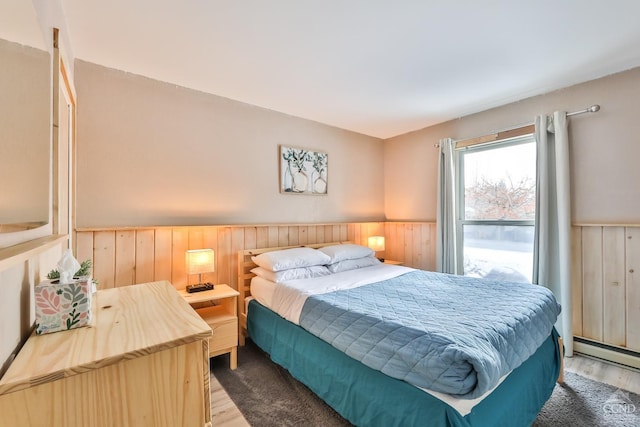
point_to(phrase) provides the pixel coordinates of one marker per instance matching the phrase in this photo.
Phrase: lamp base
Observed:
(199, 287)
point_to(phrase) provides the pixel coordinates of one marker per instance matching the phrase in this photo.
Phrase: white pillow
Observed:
(291, 258)
(352, 264)
(292, 273)
(347, 251)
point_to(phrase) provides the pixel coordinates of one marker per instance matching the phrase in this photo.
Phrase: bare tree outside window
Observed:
(501, 199)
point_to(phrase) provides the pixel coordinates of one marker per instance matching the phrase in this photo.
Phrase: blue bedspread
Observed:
(447, 333)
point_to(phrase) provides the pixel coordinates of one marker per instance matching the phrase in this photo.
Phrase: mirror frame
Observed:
(62, 162)
(64, 152)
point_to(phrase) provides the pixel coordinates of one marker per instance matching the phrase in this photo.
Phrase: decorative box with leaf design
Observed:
(60, 307)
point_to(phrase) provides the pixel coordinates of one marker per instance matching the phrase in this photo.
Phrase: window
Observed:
(497, 189)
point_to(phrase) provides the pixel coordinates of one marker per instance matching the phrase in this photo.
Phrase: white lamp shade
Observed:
(376, 243)
(200, 261)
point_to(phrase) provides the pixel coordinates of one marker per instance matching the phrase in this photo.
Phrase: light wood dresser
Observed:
(143, 362)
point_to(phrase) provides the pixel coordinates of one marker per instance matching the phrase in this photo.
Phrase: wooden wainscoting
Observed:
(413, 243)
(606, 284)
(605, 261)
(124, 256)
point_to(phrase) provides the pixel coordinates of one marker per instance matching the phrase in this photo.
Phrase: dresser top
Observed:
(128, 322)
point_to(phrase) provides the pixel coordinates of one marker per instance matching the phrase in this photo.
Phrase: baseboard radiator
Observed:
(619, 355)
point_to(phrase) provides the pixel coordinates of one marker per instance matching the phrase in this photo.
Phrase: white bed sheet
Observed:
(287, 300)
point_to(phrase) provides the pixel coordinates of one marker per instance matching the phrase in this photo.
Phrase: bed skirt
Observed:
(367, 397)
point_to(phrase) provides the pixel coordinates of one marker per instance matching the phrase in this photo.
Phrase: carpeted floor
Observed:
(267, 395)
(584, 402)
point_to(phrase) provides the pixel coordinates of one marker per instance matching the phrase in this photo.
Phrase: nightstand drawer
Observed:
(224, 326)
(225, 335)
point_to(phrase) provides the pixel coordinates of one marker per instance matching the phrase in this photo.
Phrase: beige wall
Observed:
(152, 153)
(605, 148)
(24, 133)
(142, 141)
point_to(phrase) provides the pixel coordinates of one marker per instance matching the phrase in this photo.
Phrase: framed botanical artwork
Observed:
(303, 171)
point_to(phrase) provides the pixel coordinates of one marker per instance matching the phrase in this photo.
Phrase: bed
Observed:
(360, 387)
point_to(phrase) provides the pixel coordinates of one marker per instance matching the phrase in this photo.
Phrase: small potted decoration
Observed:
(83, 273)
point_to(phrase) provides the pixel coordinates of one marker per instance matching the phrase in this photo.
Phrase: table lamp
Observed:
(377, 244)
(200, 261)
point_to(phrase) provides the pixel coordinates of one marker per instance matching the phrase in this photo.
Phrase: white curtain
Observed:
(552, 244)
(446, 220)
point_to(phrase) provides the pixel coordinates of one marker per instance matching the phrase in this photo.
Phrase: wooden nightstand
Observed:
(219, 308)
(392, 262)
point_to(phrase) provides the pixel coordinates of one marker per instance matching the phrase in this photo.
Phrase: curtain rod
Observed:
(509, 133)
(593, 109)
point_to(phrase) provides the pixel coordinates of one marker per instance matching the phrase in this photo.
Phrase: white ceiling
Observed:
(378, 67)
(18, 23)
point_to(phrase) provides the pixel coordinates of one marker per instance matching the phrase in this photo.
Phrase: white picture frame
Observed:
(303, 171)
